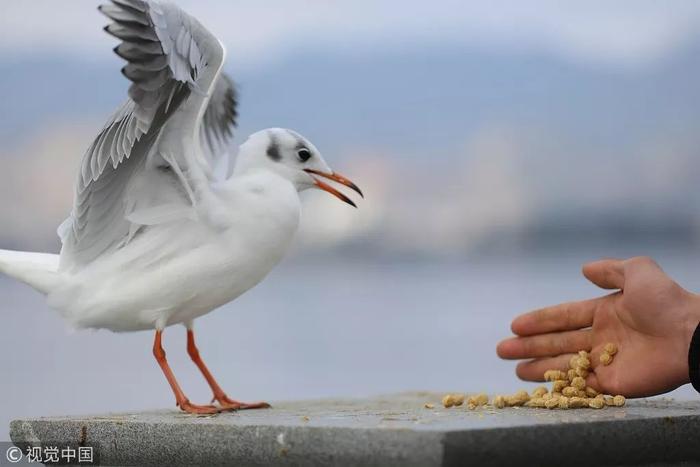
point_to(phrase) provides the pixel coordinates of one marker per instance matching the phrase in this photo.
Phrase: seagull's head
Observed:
(293, 157)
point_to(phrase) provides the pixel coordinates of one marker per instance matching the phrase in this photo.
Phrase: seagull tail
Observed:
(38, 270)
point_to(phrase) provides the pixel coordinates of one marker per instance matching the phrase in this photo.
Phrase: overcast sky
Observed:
(617, 33)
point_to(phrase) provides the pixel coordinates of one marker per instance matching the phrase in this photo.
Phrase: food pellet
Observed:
(610, 348)
(606, 358)
(570, 391)
(513, 402)
(571, 374)
(539, 391)
(553, 375)
(552, 403)
(458, 399)
(582, 372)
(583, 362)
(478, 400)
(499, 402)
(481, 399)
(448, 401)
(563, 402)
(536, 402)
(578, 383)
(519, 398)
(590, 392)
(609, 400)
(596, 403)
(619, 401)
(578, 402)
(429, 406)
(558, 385)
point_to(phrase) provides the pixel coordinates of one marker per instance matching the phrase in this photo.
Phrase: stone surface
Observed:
(385, 431)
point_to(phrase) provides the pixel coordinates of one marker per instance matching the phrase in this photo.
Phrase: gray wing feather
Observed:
(163, 63)
(219, 120)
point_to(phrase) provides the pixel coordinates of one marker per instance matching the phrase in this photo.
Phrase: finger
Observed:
(545, 345)
(592, 381)
(606, 273)
(565, 317)
(533, 370)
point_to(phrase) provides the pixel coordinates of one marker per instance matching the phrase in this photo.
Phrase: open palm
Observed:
(651, 320)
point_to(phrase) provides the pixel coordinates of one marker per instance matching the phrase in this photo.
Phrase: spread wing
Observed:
(137, 164)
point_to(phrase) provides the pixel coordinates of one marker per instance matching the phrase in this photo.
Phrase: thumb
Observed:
(606, 273)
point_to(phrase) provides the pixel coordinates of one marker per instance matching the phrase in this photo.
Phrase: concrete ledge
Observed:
(385, 431)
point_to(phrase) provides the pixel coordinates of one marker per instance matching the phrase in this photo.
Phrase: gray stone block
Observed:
(386, 431)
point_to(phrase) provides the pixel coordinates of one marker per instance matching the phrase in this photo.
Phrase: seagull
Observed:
(160, 233)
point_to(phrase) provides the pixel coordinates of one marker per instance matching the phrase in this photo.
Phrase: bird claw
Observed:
(228, 404)
(189, 407)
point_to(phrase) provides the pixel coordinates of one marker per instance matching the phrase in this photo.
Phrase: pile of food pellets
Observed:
(569, 390)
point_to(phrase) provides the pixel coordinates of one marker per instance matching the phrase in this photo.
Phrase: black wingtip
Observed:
(109, 31)
(101, 8)
(119, 54)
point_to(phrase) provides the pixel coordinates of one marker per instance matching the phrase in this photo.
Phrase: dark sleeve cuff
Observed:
(694, 359)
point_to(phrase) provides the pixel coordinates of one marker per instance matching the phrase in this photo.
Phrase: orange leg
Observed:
(219, 395)
(180, 398)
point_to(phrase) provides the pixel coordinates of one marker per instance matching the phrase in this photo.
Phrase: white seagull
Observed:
(159, 234)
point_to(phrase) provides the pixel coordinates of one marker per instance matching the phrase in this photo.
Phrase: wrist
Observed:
(692, 321)
(692, 318)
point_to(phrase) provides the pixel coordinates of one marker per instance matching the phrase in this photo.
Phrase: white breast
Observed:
(176, 272)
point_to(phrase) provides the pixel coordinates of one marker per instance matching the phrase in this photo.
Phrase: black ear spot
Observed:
(273, 150)
(304, 154)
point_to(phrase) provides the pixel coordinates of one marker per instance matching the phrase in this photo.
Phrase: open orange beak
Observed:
(336, 178)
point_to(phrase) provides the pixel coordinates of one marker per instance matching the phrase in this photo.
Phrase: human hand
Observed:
(651, 319)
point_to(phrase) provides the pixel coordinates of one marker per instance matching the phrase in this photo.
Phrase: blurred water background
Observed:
(500, 145)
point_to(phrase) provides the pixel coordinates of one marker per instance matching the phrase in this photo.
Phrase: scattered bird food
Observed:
(569, 390)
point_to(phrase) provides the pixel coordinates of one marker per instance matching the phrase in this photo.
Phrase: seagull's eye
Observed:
(304, 154)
